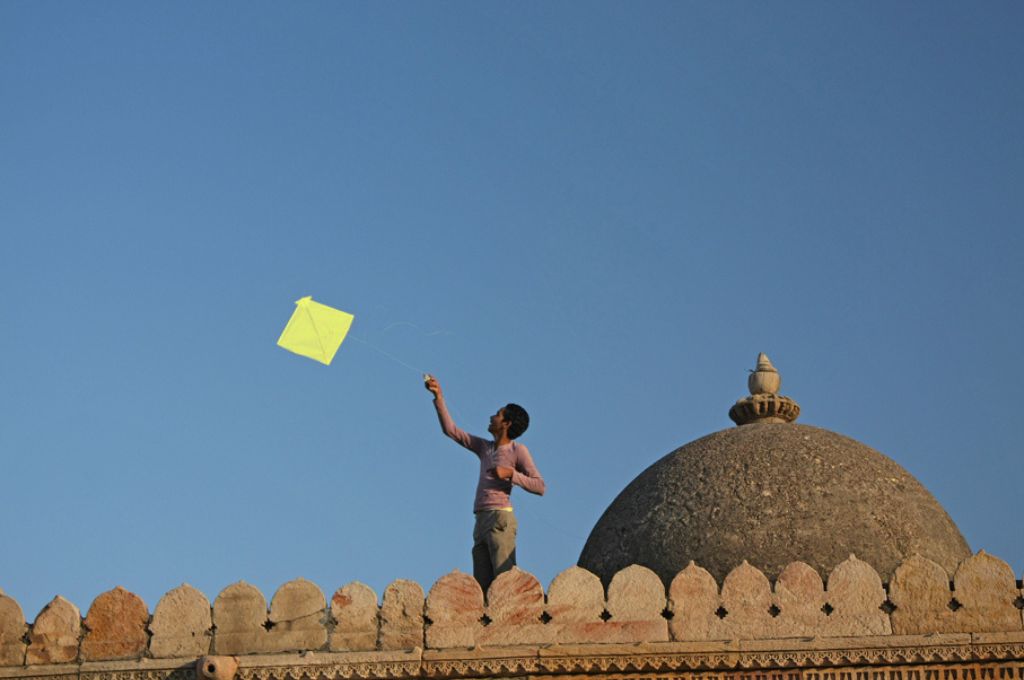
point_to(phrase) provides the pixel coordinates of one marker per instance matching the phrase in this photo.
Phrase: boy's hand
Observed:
(434, 387)
(503, 472)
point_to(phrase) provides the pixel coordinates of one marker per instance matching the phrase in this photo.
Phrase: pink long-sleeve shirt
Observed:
(493, 493)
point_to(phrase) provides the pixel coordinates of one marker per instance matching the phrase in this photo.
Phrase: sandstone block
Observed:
(575, 604)
(401, 616)
(455, 607)
(800, 596)
(181, 624)
(636, 602)
(985, 589)
(297, 617)
(855, 591)
(12, 632)
(515, 606)
(920, 590)
(54, 636)
(239, 616)
(693, 601)
(747, 601)
(115, 627)
(354, 610)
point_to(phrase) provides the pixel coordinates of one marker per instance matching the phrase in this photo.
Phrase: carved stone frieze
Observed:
(333, 671)
(141, 674)
(331, 666)
(596, 661)
(918, 657)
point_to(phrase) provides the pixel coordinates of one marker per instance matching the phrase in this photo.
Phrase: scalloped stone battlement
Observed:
(983, 596)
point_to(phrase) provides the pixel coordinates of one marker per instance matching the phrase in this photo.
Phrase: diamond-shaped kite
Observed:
(315, 330)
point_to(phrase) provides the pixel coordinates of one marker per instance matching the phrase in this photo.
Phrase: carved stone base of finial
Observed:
(764, 408)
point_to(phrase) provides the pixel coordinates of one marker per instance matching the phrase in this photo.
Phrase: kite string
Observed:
(418, 371)
(388, 355)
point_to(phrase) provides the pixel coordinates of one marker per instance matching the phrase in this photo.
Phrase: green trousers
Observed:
(494, 545)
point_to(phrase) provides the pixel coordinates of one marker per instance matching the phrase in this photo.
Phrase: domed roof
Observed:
(771, 492)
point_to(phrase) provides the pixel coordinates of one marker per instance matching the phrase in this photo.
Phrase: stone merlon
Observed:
(985, 598)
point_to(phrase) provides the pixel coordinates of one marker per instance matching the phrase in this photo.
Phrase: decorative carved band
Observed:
(861, 659)
(335, 671)
(1006, 671)
(618, 669)
(650, 661)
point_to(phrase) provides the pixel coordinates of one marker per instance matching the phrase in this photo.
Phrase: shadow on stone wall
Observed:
(983, 596)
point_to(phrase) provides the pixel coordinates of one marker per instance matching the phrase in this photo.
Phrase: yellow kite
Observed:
(315, 330)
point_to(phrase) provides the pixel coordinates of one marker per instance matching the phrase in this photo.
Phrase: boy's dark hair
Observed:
(517, 418)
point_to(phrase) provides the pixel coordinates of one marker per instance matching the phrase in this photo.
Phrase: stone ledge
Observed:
(564, 660)
(112, 668)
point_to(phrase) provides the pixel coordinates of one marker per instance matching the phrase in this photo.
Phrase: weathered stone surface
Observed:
(636, 602)
(401, 616)
(354, 610)
(115, 627)
(920, 591)
(515, 606)
(575, 604)
(747, 599)
(297, 617)
(217, 667)
(764, 408)
(515, 597)
(693, 601)
(855, 591)
(55, 635)
(771, 494)
(239, 616)
(455, 606)
(181, 624)
(12, 630)
(985, 588)
(636, 594)
(800, 597)
(575, 595)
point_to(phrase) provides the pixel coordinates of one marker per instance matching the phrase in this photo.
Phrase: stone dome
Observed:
(771, 492)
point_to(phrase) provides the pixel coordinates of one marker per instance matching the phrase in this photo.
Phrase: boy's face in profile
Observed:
(498, 425)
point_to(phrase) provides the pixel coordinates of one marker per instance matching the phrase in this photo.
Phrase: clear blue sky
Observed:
(602, 211)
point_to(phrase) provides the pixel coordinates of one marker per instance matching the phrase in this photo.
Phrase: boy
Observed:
(503, 462)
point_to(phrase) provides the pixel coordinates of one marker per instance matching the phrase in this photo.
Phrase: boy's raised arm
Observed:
(448, 426)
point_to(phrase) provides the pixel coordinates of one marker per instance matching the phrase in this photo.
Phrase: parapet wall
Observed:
(983, 596)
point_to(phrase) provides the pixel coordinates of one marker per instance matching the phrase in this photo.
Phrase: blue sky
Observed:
(602, 211)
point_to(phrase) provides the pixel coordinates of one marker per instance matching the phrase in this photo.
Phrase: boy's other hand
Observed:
(433, 386)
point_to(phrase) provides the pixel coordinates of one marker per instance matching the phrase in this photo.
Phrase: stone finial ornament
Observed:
(764, 379)
(764, 405)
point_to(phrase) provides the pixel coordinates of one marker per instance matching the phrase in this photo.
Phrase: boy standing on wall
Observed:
(503, 462)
